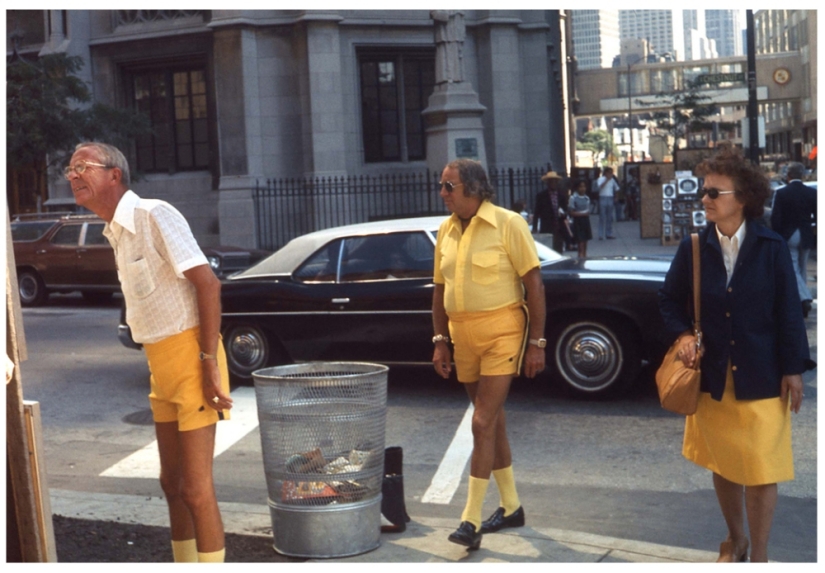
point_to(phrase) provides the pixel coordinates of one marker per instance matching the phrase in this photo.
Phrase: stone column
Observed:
(323, 102)
(453, 114)
(239, 129)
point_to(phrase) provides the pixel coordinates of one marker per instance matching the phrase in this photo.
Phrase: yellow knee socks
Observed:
(475, 501)
(507, 490)
(212, 557)
(185, 551)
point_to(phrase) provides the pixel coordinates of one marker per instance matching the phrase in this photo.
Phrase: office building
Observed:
(663, 29)
(595, 37)
(725, 27)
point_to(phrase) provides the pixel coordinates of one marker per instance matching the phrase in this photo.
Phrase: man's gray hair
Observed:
(474, 178)
(795, 171)
(110, 156)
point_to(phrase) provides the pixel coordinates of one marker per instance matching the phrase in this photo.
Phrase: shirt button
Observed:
(727, 314)
(730, 289)
(733, 368)
(732, 343)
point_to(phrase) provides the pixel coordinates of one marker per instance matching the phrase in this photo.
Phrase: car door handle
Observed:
(340, 301)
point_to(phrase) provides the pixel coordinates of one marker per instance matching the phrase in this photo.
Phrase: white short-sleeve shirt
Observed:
(153, 247)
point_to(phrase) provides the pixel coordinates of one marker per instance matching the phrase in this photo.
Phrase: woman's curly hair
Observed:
(750, 182)
(474, 178)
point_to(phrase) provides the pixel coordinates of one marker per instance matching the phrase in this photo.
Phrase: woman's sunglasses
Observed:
(713, 192)
(449, 185)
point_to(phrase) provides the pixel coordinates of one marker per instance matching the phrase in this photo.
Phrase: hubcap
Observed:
(28, 287)
(247, 349)
(589, 356)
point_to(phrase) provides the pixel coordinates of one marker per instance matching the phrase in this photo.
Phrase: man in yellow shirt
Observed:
(489, 301)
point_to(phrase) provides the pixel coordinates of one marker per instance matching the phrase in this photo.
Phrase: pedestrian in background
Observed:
(631, 192)
(520, 207)
(755, 350)
(173, 308)
(489, 301)
(793, 217)
(551, 210)
(608, 187)
(580, 211)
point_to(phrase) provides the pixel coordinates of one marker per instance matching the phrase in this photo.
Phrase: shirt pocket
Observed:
(142, 283)
(485, 268)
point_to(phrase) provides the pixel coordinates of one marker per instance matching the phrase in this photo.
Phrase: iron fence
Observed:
(287, 208)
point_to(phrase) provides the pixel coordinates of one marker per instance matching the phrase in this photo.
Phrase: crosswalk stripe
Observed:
(446, 479)
(145, 463)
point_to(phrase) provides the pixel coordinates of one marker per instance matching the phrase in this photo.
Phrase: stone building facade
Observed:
(239, 96)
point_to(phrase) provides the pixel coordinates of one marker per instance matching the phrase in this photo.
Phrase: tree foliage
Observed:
(47, 112)
(598, 142)
(690, 110)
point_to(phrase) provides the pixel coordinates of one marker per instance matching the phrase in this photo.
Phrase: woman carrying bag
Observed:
(755, 350)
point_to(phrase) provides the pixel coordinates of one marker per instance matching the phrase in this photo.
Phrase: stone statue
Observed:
(449, 44)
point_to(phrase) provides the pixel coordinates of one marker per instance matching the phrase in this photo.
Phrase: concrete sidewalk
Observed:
(424, 541)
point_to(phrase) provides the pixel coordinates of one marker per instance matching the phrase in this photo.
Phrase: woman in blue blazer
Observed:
(755, 350)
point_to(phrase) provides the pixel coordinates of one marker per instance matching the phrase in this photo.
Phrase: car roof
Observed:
(286, 260)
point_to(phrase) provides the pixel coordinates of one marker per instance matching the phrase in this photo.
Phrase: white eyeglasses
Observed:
(80, 168)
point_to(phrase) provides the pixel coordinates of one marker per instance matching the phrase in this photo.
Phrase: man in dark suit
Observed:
(551, 210)
(794, 211)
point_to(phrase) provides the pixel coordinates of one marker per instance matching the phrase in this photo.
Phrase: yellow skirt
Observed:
(747, 442)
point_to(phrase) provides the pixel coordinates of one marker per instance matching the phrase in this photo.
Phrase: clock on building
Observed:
(781, 76)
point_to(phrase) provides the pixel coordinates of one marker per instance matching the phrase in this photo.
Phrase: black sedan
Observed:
(364, 293)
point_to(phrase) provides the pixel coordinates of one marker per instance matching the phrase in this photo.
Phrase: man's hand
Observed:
(442, 359)
(533, 361)
(212, 386)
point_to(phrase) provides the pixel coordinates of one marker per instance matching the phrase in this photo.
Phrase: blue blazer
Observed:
(755, 322)
(794, 207)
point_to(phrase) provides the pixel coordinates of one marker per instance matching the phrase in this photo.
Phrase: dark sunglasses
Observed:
(712, 192)
(449, 185)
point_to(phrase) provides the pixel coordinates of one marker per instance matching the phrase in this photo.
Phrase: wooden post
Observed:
(30, 513)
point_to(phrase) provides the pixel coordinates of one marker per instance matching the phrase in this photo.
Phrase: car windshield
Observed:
(30, 230)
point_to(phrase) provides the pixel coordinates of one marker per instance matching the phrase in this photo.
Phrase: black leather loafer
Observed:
(466, 535)
(498, 521)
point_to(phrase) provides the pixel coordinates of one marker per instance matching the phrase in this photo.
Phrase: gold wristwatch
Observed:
(541, 342)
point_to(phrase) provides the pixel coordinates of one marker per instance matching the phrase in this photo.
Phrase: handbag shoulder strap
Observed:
(697, 275)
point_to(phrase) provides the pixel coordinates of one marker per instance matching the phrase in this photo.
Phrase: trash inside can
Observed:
(322, 427)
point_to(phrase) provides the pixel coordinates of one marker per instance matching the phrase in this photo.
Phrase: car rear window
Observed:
(30, 230)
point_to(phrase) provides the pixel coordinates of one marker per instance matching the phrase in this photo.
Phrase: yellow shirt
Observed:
(481, 269)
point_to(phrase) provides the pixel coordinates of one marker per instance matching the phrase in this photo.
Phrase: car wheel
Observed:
(32, 290)
(247, 350)
(595, 357)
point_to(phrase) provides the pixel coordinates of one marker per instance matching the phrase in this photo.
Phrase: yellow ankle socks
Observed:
(475, 501)
(185, 551)
(212, 557)
(507, 490)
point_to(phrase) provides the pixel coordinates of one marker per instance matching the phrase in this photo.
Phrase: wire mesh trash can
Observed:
(322, 427)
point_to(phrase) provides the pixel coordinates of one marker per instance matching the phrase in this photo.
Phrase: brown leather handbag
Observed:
(678, 384)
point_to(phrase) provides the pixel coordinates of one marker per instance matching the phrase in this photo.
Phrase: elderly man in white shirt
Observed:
(173, 309)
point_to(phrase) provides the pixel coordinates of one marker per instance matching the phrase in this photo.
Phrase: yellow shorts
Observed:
(176, 381)
(488, 343)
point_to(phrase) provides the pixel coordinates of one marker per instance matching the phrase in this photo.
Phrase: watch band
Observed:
(204, 356)
(441, 338)
(541, 342)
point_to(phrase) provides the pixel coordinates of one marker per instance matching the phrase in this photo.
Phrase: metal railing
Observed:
(287, 208)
